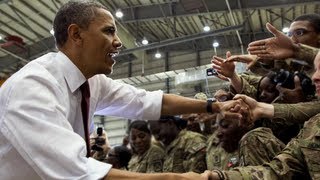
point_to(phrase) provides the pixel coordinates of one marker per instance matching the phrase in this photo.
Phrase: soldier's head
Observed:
(230, 131)
(139, 137)
(267, 91)
(119, 157)
(305, 29)
(167, 128)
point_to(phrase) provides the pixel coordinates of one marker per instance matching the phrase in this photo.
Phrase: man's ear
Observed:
(74, 34)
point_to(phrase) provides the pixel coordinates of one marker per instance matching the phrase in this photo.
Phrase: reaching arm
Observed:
(126, 175)
(174, 105)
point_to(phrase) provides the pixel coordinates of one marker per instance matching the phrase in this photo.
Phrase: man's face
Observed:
(164, 132)
(316, 75)
(100, 43)
(139, 141)
(303, 32)
(228, 134)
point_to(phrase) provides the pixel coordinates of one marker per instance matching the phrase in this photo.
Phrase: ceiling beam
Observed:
(180, 39)
(157, 11)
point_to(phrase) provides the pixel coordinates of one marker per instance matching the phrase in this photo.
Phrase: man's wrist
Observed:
(265, 110)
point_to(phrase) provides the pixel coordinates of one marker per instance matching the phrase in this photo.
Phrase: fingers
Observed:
(228, 54)
(257, 43)
(273, 30)
(297, 81)
(219, 59)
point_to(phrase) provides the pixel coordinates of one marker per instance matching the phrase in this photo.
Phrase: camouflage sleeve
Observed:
(247, 88)
(295, 113)
(155, 160)
(299, 160)
(259, 146)
(196, 158)
(306, 53)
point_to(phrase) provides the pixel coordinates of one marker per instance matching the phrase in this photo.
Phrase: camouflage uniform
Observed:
(249, 85)
(186, 153)
(258, 146)
(217, 157)
(299, 160)
(150, 162)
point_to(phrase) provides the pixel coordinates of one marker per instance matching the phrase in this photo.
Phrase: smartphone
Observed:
(211, 72)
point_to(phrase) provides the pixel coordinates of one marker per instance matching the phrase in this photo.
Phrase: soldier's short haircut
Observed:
(73, 12)
(314, 19)
(140, 125)
(123, 154)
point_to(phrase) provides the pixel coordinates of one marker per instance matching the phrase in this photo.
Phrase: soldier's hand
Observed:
(229, 109)
(224, 68)
(249, 59)
(258, 109)
(278, 47)
(292, 95)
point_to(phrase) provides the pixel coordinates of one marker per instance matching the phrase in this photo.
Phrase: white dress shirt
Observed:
(41, 128)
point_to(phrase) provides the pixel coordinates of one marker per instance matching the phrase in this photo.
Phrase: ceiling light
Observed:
(157, 55)
(52, 32)
(0, 37)
(206, 28)
(215, 44)
(285, 30)
(119, 14)
(145, 41)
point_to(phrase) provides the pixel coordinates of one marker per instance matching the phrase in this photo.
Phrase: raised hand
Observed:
(278, 47)
(291, 95)
(224, 68)
(249, 59)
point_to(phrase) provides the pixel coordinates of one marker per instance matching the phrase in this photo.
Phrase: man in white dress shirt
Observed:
(41, 128)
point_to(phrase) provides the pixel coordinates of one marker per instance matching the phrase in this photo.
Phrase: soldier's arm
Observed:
(155, 161)
(197, 155)
(299, 160)
(259, 146)
(306, 53)
(295, 113)
(246, 88)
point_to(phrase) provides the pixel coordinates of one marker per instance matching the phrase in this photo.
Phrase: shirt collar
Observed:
(71, 72)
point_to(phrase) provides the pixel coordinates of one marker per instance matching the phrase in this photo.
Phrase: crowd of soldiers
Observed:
(279, 136)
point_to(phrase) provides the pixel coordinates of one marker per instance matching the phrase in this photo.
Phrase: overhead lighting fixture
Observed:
(206, 28)
(119, 14)
(157, 55)
(285, 29)
(215, 44)
(52, 32)
(145, 41)
(0, 37)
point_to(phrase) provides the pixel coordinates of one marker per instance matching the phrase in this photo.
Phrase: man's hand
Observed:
(257, 109)
(278, 47)
(292, 95)
(224, 68)
(229, 109)
(194, 176)
(249, 59)
(210, 175)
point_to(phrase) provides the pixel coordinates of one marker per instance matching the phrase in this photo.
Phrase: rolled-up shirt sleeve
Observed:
(124, 100)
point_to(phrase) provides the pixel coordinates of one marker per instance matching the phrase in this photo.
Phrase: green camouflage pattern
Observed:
(258, 146)
(186, 153)
(299, 160)
(150, 162)
(217, 157)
